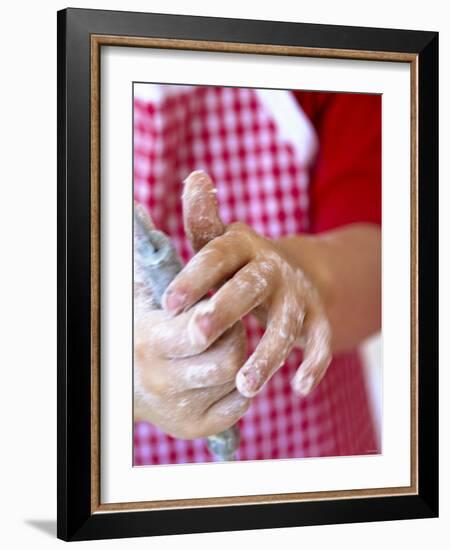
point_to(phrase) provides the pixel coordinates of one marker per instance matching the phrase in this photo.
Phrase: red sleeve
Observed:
(345, 182)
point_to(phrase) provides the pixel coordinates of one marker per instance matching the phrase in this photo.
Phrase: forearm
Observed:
(345, 266)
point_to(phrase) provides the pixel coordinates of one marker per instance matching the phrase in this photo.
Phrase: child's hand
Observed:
(186, 390)
(254, 275)
(184, 394)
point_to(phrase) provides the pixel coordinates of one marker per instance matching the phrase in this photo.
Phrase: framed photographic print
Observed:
(242, 206)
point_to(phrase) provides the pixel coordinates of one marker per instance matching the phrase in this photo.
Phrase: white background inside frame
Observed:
(120, 482)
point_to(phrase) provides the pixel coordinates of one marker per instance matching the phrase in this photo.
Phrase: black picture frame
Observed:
(76, 518)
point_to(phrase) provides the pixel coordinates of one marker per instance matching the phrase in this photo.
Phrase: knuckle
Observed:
(238, 227)
(157, 384)
(202, 376)
(243, 232)
(268, 266)
(219, 375)
(232, 365)
(213, 254)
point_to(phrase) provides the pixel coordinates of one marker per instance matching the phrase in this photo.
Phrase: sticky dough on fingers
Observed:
(249, 287)
(317, 353)
(296, 298)
(208, 269)
(215, 366)
(201, 217)
(272, 350)
(229, 409)
(169, 336)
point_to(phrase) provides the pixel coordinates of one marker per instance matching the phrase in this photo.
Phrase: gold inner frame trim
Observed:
(264, 49)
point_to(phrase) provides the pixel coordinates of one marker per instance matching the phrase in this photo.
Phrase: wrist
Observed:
(309, 253)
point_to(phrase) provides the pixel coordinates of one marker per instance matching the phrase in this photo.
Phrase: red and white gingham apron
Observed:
(261, 177)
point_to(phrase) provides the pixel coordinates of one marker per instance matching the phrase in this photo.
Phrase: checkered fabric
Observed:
(261, 181)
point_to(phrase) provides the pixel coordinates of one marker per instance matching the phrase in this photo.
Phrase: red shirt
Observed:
(345, 185)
